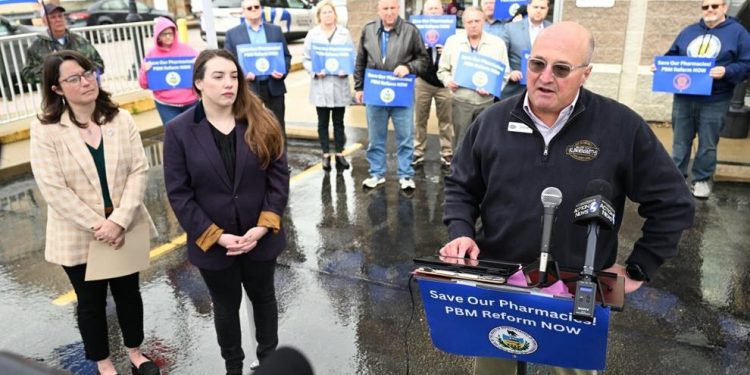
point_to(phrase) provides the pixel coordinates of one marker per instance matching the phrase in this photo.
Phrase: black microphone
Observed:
(593, 211)
(551, 199)
(287, 361)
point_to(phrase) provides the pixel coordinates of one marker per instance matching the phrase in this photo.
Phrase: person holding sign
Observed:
(180, 97)
(227, 180)
(723, 39)
(330, 92)
(393, 45)
(519, 37)
(469, 103)
(88, 161)
(270, 88)
(560, 134)
(427, 87)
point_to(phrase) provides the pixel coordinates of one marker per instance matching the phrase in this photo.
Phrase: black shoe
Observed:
(146, 368)
(341, 162)
(327, 163)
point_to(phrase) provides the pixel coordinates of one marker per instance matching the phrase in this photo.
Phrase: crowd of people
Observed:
(225, 163)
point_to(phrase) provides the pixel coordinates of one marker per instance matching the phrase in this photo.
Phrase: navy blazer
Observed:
(201, 194)
(516, 38)
(238, 35)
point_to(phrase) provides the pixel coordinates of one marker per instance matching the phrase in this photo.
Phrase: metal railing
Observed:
(122, 47)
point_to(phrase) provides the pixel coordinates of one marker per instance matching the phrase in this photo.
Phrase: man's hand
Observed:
(108, 231)
(255, 234)
(358, 96)
(250, 77)
(277, 75)
(452, 85)
(718, 72)
(460, 247)
(630, 284)
(235, 245)
(483, 92)
(401, 71)
(118, 242)
(652, 67)
(515, 76)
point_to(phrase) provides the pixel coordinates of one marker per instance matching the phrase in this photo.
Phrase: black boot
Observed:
(341, 163)
(327, 162)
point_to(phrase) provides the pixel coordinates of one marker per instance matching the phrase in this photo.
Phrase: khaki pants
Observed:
(498, 366)
(423, 93)
(463, 115)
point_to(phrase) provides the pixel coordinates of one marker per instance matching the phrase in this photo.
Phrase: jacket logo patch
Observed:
(582, 150)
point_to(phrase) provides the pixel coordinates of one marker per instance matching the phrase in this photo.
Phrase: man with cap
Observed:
(57, 38)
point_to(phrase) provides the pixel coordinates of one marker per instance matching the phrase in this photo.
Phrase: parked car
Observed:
(107, 12)
(295, 17)
(10, 50)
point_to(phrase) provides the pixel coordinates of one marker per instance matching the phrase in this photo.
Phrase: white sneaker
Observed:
(254, 366)
(373, 181)
(702, 189)
(406, 183)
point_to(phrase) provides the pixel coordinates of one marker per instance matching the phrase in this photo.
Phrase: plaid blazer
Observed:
(67, 178)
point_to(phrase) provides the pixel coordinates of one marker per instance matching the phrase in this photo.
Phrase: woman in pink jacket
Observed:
(172, 102)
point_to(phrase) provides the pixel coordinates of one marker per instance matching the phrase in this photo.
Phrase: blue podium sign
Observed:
(168, 73)
(261, 59)
(384, 89)
(525, 54)
(334, 59)
(505, 9)
(475, 71)
(435, 30)
(502, 322)
(683, 75)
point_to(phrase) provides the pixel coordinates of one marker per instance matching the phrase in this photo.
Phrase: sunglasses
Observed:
(712, 6)
(559, 70)
(253, 7)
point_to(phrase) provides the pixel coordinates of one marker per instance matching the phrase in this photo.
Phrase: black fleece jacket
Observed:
(498, 175)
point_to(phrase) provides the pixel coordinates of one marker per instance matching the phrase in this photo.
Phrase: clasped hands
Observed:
(237, 245)
(109, 232)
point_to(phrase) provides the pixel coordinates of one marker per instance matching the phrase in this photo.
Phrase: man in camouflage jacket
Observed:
(58, 38)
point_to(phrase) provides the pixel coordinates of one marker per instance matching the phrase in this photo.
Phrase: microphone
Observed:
(551, 199)
(287, 361)
(593, 211)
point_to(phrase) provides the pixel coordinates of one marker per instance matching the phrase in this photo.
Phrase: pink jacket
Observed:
(178, 97)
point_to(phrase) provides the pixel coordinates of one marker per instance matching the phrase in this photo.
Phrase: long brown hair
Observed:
(263, 134)
(53, 104)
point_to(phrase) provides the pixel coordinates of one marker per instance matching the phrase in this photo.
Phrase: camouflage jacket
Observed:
(44, 45)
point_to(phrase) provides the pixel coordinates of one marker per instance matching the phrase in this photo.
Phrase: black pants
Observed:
(274, 103)
(225, 287)
(339, 137)
(92, 310)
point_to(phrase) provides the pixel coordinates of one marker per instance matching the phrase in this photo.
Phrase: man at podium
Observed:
(559, 134)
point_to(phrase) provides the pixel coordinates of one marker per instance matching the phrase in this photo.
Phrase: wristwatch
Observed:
(635, 272)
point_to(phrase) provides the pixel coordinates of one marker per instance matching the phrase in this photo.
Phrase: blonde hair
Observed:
(319, 7)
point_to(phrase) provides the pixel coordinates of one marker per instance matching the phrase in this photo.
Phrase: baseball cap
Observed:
(49, 8)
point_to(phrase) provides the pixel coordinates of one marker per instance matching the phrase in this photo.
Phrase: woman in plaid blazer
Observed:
(88, 160)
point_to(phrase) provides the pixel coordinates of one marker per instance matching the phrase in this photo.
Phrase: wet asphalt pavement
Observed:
(342, 282)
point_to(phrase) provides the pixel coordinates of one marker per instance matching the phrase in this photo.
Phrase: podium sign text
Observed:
(482, 322)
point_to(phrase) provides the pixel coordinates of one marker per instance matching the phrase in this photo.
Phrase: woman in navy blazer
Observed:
(227, 180)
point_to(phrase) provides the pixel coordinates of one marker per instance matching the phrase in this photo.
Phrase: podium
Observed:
(476, 318)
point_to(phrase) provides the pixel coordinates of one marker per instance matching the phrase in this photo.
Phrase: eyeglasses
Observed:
(253, 7)
(75, 79)
(713, 6)
(559, 70)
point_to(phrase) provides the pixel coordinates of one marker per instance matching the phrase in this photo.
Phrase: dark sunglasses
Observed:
(253, 7)
(559, 70)
(713, 6)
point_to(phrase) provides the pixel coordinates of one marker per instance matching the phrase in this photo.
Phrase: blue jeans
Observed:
(377, 126)
(691, 118)
(168, 112)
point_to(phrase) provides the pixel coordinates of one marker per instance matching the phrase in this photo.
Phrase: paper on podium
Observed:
(104, 262)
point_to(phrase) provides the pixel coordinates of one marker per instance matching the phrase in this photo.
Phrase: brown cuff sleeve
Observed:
(209, 237)
(270, 220)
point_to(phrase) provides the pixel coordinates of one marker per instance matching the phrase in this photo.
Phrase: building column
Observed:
(635, 30)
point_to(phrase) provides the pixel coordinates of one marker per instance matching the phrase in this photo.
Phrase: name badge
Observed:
(519, 127)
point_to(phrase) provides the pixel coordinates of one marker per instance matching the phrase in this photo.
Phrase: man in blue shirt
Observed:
(491, 25)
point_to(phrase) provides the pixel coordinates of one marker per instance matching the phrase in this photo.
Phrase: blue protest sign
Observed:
(505, 9)
(333, 58)
(168, 73)
(4, 2)
(435, 29)
(385, 89)
(525, 54)
(261, 59)
(502, 322)
(683, 75)
(475, 71)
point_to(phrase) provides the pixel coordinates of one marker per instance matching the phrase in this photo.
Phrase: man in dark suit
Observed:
(518, 37)
(271, 88)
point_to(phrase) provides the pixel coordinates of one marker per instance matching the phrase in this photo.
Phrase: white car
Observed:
(295, 17)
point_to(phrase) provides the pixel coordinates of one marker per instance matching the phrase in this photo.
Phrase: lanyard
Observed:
(384, 37)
